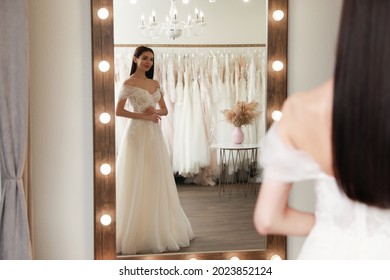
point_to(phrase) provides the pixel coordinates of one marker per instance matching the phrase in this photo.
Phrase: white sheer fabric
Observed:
(199, 84)
(150, 218)
(344, 229)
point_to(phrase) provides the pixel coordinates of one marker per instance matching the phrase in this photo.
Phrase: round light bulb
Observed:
(276, 115)
(105, 220)
(105, 118)
(234, 258)
(105, 169)
(193, 259)
(277, 65)
(104, 66)
(103, 13)
(278, 15)
(276, 258)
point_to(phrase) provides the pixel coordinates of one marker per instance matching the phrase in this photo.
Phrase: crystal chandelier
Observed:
(173, 27)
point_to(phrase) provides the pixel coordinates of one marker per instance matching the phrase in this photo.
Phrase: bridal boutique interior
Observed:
(199, 81)
(198, 84)
(62, 125)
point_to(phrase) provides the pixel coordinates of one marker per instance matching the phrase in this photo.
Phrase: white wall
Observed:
(61, 110)
(313, 28)
(234, 21)
(61, 104)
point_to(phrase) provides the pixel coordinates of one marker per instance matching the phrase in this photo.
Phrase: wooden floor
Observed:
(220, 221)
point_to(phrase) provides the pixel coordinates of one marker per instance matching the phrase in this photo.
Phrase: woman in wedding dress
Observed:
(338, 135)
(150, 218)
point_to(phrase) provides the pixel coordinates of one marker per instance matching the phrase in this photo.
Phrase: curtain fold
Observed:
(14, 100)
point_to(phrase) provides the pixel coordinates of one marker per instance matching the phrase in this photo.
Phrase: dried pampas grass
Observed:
(243, 113)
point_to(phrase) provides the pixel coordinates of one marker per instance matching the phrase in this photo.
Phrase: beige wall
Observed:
(313, 27)
(61, 108)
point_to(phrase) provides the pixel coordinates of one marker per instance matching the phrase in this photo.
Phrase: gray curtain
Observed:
(14, 100)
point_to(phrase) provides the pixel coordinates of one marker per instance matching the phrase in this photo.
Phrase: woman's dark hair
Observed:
(137, 53)
(361, 105)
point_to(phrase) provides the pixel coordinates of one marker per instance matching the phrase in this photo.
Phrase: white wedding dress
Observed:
(344, 229)
(150, 218)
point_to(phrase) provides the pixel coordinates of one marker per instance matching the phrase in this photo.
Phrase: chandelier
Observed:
(173, 27)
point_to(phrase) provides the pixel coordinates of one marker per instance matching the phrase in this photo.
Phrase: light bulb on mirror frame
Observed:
(234, 258)
(103, 13)
(276, 115)
(105, 220)
(275, 257)
(278, 15)
(105, 118)
(104, 66)
(277, 65)
(105, 169)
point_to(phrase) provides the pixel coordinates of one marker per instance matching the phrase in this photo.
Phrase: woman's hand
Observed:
(153, 117)
(150, 110)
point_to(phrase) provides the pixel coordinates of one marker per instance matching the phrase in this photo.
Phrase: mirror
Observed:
(104, 132)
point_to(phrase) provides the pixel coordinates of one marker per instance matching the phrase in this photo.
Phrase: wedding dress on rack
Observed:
(201, 153)
(178, 137)
(167, 123)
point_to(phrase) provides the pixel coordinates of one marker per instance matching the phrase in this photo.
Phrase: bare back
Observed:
(307, 122)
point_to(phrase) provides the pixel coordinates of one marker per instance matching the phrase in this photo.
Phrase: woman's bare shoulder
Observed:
(156, 83)
(143, 83)
(311, 101)
(304, 111)
(130, 81)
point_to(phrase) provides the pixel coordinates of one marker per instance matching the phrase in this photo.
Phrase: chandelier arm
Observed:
(173, 27)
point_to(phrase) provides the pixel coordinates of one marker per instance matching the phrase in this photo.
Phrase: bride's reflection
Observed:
(219, 78)
(197, 83)
(150, 218)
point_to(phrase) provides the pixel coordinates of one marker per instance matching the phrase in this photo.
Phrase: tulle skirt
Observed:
(150, 218)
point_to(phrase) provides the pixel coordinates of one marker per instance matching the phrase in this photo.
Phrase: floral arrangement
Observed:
(242, 113)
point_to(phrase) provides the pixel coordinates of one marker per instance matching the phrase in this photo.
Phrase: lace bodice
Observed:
(335, 212)
(140, 98)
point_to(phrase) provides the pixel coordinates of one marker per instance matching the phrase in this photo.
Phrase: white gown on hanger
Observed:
(201, 151)
(150, 218)
(178, 118)
(185, 147)
(344, 229)
(167, 123)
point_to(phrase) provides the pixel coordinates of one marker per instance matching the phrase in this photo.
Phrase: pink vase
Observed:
(237, 135)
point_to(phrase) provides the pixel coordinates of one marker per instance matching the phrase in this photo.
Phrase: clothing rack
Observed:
(194, 45)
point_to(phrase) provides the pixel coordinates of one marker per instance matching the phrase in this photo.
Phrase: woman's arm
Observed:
(162, 111)
(122, 112)
(273, 215)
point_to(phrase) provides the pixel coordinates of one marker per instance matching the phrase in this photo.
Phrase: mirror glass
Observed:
(236, 44)
(215, 65)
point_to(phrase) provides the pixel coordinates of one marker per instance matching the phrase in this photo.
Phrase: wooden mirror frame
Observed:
(104, 134)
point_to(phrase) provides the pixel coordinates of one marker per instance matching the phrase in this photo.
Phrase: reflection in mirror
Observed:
(220, 72)
(199, 81)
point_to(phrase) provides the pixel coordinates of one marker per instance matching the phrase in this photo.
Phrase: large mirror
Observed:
(270, 39)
